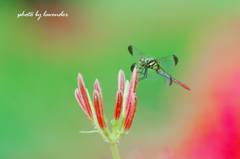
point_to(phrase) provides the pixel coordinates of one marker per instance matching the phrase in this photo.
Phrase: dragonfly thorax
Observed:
(149, 63)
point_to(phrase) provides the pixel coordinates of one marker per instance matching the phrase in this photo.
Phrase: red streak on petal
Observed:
(121, 81)
(136, 80)
(79, 99)
(81, 103)
(128, 100)
(99, 114)
(97, 87)
(133, 86)
(118, 105)
(130, 112)
(84, 94)
(129, 93)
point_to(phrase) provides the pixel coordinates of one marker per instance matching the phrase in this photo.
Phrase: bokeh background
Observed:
(40, 60)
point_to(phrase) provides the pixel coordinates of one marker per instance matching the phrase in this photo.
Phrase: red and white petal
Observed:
(121, 81)
(83, 92)
(130, 112)
(133, 86)
(118, 105)
(99, 113)
(97, 87)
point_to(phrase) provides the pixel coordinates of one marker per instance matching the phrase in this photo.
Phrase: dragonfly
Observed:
(151, 69)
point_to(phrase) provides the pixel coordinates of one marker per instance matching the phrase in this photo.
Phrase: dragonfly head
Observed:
(142, 62)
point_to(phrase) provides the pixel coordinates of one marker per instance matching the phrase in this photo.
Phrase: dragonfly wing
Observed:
(135, 64)
(137, 54)
(152, 75)
(167, 77)
(167, 81)
(169, 61)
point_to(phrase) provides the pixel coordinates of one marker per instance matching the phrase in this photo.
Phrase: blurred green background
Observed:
(40, 61)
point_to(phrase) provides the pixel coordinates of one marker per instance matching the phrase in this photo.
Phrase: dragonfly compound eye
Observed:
(141, 62)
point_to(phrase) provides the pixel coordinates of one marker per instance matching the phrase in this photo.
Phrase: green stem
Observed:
(115, 152)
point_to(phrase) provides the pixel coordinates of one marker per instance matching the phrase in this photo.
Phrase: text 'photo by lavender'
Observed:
(39, 15)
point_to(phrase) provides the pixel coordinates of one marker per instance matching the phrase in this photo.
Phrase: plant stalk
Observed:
(115, 152)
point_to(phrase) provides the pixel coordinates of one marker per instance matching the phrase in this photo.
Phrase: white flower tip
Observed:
(77, 93)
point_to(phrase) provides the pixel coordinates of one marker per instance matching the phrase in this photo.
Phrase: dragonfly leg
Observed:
(140, 70)
(144, 72)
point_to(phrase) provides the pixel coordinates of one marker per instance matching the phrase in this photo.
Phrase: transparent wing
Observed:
(166, 76)
(168, 79)
(137, 54)
(169, 61)
(135, 64)
(152, 75)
